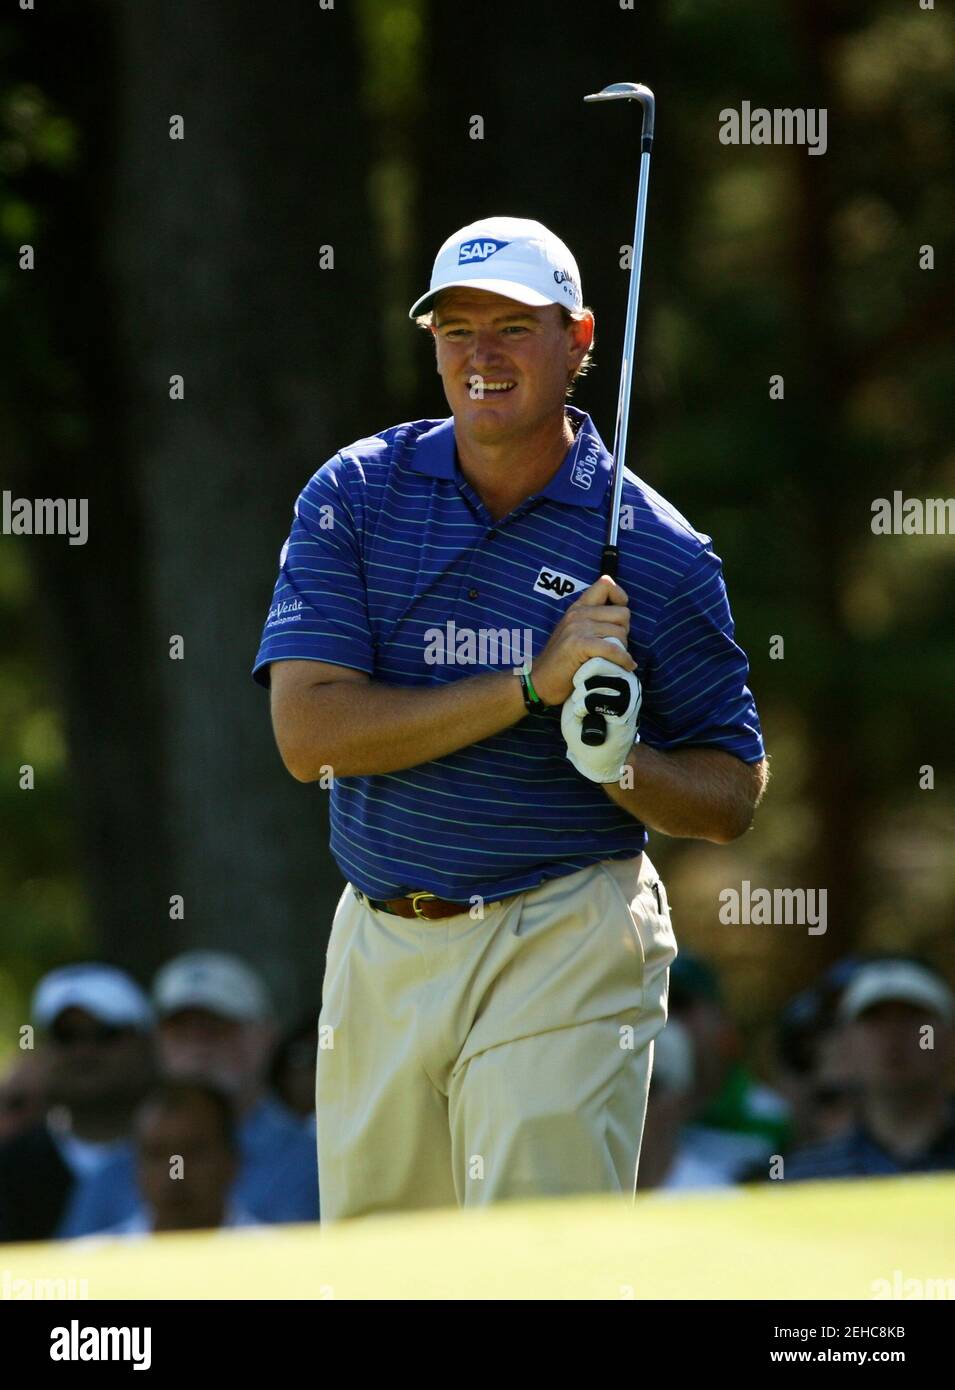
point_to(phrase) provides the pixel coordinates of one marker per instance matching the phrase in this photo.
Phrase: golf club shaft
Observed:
(594, 727)
(626, 365)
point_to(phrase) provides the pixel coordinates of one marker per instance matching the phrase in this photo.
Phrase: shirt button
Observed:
(491, 535)
(472, 593)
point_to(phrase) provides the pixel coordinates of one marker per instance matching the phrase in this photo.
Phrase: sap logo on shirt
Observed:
(556, 585)
(479, 250)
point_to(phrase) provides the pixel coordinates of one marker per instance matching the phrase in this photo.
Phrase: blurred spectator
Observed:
(215, 1023)
(292, 1073)
(23, 1093)
(835, 1088)
(736, 1121)
(193, 1122)
(665, 1161)
(813, 1071)
(94, 1022)
(905, 1119)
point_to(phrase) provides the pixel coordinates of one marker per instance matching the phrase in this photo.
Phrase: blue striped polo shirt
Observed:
(395, 567)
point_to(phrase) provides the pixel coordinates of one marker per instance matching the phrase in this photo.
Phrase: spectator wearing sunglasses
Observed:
(95, 1031)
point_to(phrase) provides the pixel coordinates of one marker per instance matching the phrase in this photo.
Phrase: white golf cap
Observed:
(211, 980)
(905, 981)
(103, 991)
(512, 256)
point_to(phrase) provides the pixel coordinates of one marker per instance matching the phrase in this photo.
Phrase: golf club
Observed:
(594, 728)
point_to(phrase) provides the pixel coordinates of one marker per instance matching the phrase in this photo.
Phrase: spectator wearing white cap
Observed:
(215, 1024)
(95, 1027)
(897, 1016)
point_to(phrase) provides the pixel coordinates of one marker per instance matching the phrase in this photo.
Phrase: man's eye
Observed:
(455, 332)
(515, 328)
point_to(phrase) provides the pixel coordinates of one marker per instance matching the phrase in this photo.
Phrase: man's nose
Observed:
(485, 348)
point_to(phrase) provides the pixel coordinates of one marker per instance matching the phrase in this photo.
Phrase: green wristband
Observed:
(532, 701)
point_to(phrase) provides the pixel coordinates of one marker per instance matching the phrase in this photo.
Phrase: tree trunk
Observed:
(200, 258)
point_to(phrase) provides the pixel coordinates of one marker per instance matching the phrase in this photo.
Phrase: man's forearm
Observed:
(695, 793)
(359, 728)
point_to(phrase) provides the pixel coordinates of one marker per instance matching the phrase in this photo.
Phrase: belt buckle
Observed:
(415, 899)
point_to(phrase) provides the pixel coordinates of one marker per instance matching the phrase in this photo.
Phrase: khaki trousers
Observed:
(468, 1061)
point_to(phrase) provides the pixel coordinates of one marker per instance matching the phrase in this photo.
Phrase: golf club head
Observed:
(630, 91)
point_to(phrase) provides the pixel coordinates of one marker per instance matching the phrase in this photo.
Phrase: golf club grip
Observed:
(594, 730)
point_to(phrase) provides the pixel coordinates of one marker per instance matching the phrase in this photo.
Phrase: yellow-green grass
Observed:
(811, 1240)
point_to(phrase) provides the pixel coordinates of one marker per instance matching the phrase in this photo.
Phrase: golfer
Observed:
(498, 961)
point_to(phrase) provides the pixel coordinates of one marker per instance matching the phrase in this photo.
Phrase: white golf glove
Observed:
(615, 694)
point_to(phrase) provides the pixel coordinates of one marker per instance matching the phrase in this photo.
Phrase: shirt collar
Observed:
(581, 480)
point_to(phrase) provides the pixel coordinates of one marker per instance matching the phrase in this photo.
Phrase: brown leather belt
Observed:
(421, 905)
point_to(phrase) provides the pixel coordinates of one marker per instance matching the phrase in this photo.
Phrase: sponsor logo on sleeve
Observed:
(287, 611)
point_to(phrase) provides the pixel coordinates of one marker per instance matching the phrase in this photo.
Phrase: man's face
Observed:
(197, 1042)
(93, 1064)
(485, 341)
(196, 1198)
(886, 1051)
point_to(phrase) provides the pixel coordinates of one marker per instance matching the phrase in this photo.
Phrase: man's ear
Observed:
(591, 323)
(582, 341)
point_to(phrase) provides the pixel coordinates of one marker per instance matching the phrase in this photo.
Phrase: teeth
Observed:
(499, 385)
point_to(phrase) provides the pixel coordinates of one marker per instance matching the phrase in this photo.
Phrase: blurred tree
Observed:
(198, 257)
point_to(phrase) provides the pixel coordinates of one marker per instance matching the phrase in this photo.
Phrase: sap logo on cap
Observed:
(479, 250)
(556, 585)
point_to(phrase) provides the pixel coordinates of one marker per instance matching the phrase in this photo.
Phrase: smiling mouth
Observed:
(493, 388)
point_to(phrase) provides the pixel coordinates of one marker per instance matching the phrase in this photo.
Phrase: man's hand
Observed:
(583, 632)
(606, 762)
